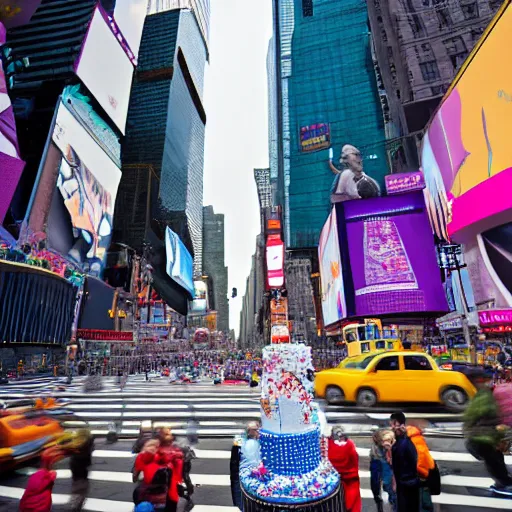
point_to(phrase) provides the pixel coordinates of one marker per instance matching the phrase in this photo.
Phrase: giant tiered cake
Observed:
(292, 469)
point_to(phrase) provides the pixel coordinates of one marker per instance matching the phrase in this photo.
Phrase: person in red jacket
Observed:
(343, 456)
(38, 494)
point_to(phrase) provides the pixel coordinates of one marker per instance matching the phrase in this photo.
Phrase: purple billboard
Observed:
(392, 256)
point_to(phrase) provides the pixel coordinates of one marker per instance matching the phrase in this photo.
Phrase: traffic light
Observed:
(234, 293)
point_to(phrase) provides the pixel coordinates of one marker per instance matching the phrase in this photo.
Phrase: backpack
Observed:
(434, 481)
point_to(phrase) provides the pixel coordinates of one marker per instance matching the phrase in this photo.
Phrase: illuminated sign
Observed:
(404, 182)
(275, 262)
(315, 137)
(495, 317)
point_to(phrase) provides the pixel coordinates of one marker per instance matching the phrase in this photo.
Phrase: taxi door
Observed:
(419, 382)
(384, 377)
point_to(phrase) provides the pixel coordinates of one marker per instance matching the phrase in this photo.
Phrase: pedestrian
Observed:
(79, 464)
(343, 456)
(425, 467)
(404, 461)
(381, 472)
(234, 472)
(38, 494)
(486, 435)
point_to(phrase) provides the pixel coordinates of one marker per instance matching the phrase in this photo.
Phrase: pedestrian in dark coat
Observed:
(405, 466)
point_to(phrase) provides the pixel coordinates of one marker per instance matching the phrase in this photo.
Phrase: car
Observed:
(401, 376)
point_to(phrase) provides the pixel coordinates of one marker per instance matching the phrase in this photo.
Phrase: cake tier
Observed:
(290, 454)
(269, 487)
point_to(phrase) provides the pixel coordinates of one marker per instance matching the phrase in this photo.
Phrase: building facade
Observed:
(252, 313)
(164, 149)
(214, 264)
(200, 8)
(419, 46)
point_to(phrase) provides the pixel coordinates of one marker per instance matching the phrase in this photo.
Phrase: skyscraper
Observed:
(214, 265)
(419, 46)
(165, 134)
(201, 9)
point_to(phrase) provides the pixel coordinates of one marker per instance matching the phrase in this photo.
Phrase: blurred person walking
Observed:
(343, 456)
(381, 472)
(79, 464)
(487, 436)
(404, 460)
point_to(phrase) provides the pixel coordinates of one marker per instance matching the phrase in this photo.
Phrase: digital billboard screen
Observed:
(392, 256)
(106, 70)
(129, 16)
(179, 261)
(331, 274)
(200, 303)
(81, 214)
(275, 261)
(466, 154)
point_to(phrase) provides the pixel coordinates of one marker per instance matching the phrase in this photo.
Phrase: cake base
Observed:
(331, 503)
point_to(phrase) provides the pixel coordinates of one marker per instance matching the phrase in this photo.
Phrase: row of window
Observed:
(391, 363)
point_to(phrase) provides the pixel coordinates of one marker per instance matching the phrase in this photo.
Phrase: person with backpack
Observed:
(426, 467)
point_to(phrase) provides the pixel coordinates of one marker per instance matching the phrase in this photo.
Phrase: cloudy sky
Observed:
(237, 127)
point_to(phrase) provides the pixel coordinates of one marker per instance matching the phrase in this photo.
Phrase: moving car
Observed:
(26, 429)
(401, 376)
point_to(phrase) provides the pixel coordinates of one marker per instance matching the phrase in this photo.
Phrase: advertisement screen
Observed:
(275, 261)
(179, 261)
(200, 302)
(129, 16)
(392, 256)
(315, 137)
(81, 213)
(466, 154)
(106, 70)
(333, 293)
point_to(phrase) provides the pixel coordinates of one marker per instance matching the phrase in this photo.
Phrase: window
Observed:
(476, 33)
(470, 10)
(416, 363)
(437, 90)
(389, 363)
(445, 20)
(416, 26)
(429, 71)
(307, 8)
(495, 4)
(455, 45)
(458, 59)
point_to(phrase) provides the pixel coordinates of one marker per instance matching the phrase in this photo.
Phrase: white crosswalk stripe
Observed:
(457, 487)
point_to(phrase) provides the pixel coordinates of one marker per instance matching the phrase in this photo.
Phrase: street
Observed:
(221, 412)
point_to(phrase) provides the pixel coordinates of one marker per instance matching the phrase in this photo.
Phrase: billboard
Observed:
(200, 302)
(331, 275)
(392, 256)
(106, 70)
(279, 311)
(466, 155)
(315, 137)
(82, 208)
(179, 261)
(275, 261)
(129, 16)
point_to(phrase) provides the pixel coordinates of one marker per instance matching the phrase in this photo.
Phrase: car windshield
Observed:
(359, 364)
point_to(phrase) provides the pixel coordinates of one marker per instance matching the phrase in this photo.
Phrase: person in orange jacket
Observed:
(425, 465)
(343, 456)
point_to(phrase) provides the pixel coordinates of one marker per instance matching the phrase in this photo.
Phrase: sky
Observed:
(236, 143)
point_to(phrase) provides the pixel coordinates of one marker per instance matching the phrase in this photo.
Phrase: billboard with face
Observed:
(106, 70)
(466, 154)
(392, 256)
(329, 257)
(179, 261)
(81, 213)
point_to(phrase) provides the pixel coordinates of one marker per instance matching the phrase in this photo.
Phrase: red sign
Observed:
(404, 182)
(495, 317)
(100, 335)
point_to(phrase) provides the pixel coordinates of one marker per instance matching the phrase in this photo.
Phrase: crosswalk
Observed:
(219, 413)
(215, 410)
(465, 486)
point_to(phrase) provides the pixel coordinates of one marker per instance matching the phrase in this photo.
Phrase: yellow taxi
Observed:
(402, 376)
